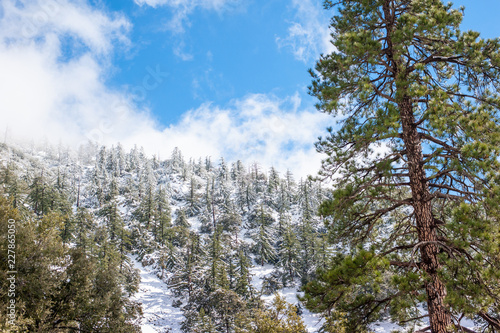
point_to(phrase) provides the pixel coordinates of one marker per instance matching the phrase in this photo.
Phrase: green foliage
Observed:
(243, 286)
(43, 197)
(263, 236)
(414, 163)
(163, 218)
(107, 203)
(289, 254)
(12, 185)
(280, 317)
(58, 288)
(181, 219)
(83, 228)
(353, 285)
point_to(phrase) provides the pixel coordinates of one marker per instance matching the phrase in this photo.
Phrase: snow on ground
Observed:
(161, 317)
(159, 314)
(312, 321)
(386, 327)
(259, 272)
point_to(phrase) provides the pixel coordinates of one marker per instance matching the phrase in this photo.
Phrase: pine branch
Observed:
(439, 142)
(493, 322)
(453, 189)
(402, 247)
(404, 264)
(463, 329)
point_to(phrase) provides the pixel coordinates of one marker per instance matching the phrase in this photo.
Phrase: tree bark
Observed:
(440, 319)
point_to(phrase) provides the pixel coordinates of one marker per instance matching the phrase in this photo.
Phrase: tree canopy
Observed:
(415, 167)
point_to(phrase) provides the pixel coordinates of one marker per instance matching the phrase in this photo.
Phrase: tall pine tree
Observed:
(415, 164)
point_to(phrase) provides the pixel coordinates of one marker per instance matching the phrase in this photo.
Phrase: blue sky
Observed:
(215, 55)
(213, 77)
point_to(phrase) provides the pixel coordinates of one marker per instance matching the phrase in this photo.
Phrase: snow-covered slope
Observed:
(159, 314)
(206, 193)
(161, 317)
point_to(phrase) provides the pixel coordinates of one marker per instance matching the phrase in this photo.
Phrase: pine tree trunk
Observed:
(78, 194)
(439, 317)
(189, 273)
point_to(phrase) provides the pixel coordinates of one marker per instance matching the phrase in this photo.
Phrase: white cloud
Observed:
(309, 34)
(183, 8)
(258, 128)
(45, 94)
(209, 4)
(33, 19)
(179, 52)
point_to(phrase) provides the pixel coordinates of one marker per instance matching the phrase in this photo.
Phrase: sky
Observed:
(219, 78)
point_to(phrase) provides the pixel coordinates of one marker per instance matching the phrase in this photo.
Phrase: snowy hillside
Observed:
(201, 245)
(198, 226)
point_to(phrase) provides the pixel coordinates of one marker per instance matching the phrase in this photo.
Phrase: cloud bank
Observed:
(54, 57)
(49, 93)
(258, 128)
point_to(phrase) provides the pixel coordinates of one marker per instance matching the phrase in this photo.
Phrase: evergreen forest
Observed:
(398, 232)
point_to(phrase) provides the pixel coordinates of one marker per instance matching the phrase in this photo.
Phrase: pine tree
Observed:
(167, 258)
(208, 164)
(204, 324)
(181, 219)
(177, 160)
(272, 194)
(210, 286)
(38, 195)
(414, 163)
(193, 198)
(216, 254)
(145, 213)
(288, 255)
(306, 232)
(13, 186)
(187, 268)
(238, 172)
(84, 227)
(263, 236)
(307, 199)
(243, 286)
(163, 218)
(59, 288)
(239, 176)
(280, 317)
(118, 234)
(133, 162)
(96, 187)
(120, 161)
